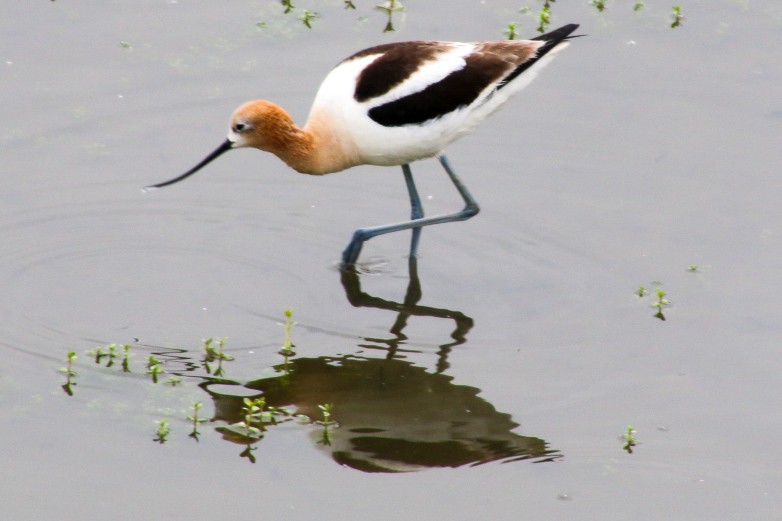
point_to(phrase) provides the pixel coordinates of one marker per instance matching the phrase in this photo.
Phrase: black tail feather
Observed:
(552, 39)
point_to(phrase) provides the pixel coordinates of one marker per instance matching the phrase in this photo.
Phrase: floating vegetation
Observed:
(544, 14)
(307, 17)
(327, 422)
(126, 358)
(196, 420)
(163, 431)
(659, 304)
(287, 344)
(390, 7)
(629, 438)
(70, 374)
(677, 17)
(213, 354)
(154, 368)
(287, 6)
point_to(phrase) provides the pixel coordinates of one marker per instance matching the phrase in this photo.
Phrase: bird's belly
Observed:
(386, 146)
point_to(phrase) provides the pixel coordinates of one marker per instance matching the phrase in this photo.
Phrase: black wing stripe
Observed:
(458, 89)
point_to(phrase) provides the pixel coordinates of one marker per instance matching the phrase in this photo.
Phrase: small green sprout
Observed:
(68, 370)
(629, 439)
(97, 353)
(163, 431)
(326, 409)
(173, 381)
(210, 351)
(220, 352)
(677, 17)
(307, 18)
(287, 6)
(215, 353)
(661, 303)
(69, 374)
(287, 344)
(544, 17)
(390, 7)
(154, 368)
(126, 358)
(196, 420)
(112, 354)
(510, 31)
(600, 5)
(692, 267)
(642, 291)
(638, 6)
(327, 422)
(126, 45)
(349, 4)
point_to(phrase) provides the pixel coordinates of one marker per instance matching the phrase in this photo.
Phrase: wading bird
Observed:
(391, 105)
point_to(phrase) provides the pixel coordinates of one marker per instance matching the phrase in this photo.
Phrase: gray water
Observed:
(492, 381)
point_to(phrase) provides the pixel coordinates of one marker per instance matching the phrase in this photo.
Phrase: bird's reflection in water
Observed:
(393, 416)
(351, 281)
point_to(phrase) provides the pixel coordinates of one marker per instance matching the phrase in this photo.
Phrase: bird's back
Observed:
(404, 101)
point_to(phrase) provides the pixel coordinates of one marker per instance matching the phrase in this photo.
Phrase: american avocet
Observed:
(390, 105)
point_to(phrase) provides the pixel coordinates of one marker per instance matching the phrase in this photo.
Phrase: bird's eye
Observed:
(240, 127)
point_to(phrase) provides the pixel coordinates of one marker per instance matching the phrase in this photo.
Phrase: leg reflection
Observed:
(408, 307)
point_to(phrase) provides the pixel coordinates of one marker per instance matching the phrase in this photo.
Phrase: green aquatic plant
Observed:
(215, 353)
(97, 353)
(287, 6)
(68, 369)
(629, 439)
(510, 31)
(660, 303)
(677, 17)
(70, 374)
(126, 358)
(112, 354)
(389, 8)
(638, 6)
(196, 420)
(327, 423)
(544, 17)
(307, 17)
(287, 343)
(692, 267)
(154, 368)
(600, 5)
(163, 431)
(326, 410)
(349, 4)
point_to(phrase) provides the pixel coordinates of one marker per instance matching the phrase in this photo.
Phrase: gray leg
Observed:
(351, 253)
(416, 208)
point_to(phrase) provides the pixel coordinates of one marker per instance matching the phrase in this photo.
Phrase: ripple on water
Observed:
(98, 270)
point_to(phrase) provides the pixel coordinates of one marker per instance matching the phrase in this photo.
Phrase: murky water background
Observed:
(516, 343)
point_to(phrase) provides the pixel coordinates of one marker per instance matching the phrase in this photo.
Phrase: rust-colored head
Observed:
(256, 124)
